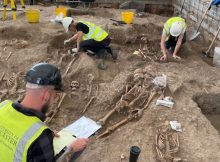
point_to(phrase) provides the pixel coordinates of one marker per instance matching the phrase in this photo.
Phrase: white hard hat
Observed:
(176, 29)
(66, 23)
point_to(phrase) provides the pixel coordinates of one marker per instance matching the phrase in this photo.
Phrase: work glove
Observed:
(74, 50)
(66, 42)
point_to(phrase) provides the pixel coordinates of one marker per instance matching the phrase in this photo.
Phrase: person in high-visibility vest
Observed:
(173, 36)
(24, 137)
(89, 38)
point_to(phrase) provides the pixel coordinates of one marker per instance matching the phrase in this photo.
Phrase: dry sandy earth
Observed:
(188, 80)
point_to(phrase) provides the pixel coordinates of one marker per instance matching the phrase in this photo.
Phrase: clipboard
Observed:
(61, 143)
(81, 128)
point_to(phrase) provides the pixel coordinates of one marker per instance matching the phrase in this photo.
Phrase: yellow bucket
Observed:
(33, 15)
(62, 10)
(127, 17)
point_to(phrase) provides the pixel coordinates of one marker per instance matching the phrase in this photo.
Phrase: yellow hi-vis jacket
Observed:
(17, 133)
(95, 32)
(169, 23)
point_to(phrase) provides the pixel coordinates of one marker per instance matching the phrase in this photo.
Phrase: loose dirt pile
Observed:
(22, 45)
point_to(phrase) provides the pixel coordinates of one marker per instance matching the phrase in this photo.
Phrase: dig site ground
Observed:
(122, 98)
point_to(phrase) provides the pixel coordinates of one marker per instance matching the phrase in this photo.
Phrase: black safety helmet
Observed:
(45, 74)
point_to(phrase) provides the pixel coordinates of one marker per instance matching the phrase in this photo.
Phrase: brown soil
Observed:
(33, 43)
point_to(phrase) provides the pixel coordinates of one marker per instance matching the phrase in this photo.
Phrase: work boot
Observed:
(102, 53)
(112, 52)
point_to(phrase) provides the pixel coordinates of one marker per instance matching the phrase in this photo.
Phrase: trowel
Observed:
(195, 33)
(118, 22)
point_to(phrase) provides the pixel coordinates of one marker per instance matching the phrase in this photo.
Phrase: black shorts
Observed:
(173, 40)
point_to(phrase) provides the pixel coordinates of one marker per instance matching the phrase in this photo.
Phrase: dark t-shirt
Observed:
(82, 27)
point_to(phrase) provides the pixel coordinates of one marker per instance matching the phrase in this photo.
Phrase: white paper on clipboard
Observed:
(83, 127)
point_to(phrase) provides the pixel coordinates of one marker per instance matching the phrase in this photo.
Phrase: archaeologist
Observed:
(24, 137)
(173, 36)
(89, 38)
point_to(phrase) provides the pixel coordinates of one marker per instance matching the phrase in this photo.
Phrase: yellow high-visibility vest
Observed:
(169, 23)
(17, 133)
(95, 32)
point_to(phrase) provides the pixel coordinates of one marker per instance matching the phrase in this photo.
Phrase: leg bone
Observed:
(112, 128)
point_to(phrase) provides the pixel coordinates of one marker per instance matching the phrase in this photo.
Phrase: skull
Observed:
(74, 85)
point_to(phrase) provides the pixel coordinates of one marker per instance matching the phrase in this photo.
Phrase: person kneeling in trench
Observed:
(173, 36)
(89, 38)
(24, 136)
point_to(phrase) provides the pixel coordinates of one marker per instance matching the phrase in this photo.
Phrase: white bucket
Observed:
(216, 58)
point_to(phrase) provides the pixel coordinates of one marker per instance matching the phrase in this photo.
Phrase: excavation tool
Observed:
(117, 22)
(206, 53)
(182, 9)
(13, 8)
(196, 33)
